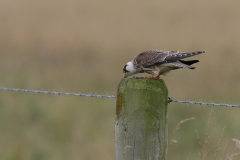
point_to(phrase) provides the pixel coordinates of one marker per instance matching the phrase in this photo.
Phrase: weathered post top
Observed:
(141, 120)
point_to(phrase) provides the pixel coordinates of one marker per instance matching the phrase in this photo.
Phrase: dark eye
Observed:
(124, 69)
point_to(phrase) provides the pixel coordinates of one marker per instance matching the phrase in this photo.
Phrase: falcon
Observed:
(159, 62)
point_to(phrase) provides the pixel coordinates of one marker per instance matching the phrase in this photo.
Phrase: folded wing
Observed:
(155, 57)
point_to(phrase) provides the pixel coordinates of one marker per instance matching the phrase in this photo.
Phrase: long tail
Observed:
(174, 57)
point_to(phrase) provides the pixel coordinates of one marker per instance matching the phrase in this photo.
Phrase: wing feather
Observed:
(151, 57)
(174, 57)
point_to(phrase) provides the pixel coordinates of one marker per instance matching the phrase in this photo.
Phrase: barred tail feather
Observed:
(175, 57)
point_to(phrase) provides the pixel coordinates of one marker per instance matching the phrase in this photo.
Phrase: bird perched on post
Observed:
(159, 62)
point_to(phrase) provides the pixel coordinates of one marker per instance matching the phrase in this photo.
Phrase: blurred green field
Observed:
(82, 46)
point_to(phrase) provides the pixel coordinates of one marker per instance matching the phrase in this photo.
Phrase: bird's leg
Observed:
(150, 77)
(158, 77)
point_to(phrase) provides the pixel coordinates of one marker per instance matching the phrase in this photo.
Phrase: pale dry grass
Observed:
(204, 149)
(235, 151)
(177, 127)
(218, 143)
(207, 151)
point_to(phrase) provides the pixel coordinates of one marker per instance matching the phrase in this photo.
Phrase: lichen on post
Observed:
(141, 126)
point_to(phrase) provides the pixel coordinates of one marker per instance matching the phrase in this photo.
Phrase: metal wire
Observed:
(58, 93)
(187, 102)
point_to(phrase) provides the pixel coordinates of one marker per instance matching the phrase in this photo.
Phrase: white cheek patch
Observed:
(130, 66)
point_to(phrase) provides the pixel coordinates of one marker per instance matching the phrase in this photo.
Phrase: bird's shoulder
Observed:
(152, 56)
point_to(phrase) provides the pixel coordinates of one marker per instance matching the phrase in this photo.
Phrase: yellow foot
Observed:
(158, 77)
(147, 77)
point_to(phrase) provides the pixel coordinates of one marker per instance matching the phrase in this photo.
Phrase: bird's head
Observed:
(129, 69)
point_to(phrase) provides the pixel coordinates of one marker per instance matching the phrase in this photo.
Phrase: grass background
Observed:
(82, 46)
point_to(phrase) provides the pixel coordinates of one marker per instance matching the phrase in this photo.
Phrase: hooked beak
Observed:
(126, 75)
